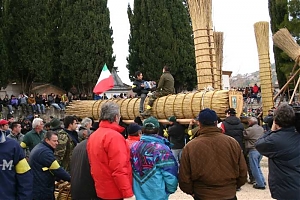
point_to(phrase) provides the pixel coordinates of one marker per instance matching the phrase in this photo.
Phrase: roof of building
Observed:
(118, 83)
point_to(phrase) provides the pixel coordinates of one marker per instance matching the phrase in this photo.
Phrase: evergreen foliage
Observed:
(284, 13)
(161, 34)
(64, 42)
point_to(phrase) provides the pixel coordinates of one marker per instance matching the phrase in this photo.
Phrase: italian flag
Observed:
(105, 81)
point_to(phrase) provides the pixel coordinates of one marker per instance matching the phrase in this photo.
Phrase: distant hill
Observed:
(249, 79)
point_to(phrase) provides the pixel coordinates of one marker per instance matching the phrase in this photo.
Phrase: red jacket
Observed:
(109, 159)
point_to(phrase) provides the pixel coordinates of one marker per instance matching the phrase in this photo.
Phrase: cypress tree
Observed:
(86, 43)
(161, 34)
(29, 53)
(284, 13)
(4, 75)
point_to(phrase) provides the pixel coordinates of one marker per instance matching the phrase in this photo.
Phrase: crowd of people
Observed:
(209, 159)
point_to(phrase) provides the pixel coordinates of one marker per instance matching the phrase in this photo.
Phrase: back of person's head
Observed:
(69, 120)
(134, 129)
(150, 126)
(36, 122)
(172, 119)
(137, 73)
(109, 111)
(138, 121)
(207, 117)
(166, 68)
(86, 121)
(230, 111)
(284, 116)
(252, 120)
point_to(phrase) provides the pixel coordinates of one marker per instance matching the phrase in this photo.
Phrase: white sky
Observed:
(233, 17)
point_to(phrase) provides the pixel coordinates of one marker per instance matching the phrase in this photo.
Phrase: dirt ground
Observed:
(247, 192)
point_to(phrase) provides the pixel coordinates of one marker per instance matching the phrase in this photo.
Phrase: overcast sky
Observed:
(233, 17)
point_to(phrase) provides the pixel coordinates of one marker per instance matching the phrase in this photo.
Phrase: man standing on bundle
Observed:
(153, 164)
(109, 156)
(164, 88)
(282, 146)
(139, 88)
(212, 165)
(251, 135)
(45, 167)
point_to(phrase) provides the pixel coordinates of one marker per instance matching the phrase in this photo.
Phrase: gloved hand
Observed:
(130, 198)
(166, 133)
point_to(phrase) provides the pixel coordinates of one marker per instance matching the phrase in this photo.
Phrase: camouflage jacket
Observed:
(64, 149)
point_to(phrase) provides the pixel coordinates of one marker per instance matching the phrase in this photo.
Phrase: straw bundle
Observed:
(285, 41)
(62, 191)
(261, 30)
(183, 106)
(201, 16)
(218, 38)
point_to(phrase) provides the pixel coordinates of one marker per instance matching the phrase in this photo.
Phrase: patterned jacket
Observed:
(64, 149)
(154, 168)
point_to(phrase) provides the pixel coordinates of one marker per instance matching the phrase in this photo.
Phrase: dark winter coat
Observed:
(177, 135)
(234, 128)
(83, 185)
(282, 147)
(137, 88)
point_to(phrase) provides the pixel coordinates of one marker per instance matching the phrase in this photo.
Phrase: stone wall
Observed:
(18, 114)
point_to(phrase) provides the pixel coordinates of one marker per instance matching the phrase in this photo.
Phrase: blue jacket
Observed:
(15, 175)
(154, 168)
(45, 168)
(282, 147)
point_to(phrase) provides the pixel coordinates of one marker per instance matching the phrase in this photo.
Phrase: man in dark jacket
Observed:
(164, 88)
(83, 185)
(233, 127)
(282, 146)
(15, 174)
(176, 135)
(139, 88)
(45, 167)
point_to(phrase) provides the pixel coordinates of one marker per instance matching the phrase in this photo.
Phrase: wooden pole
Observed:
(287, 83)
(295, 89)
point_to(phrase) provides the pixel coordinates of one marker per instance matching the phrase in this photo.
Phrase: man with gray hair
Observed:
(35, 136)
(282, 146)
(85, 129)
(251, 135)
(109, 156)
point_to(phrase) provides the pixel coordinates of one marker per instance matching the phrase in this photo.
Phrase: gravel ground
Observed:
(247, 192)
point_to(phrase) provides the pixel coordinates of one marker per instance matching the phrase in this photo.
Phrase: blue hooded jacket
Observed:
(154, 168)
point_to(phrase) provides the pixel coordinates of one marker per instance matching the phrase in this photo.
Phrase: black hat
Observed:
(133, 128)
(231, 111)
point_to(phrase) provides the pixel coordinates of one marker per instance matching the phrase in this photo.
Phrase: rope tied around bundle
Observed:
(205, 90)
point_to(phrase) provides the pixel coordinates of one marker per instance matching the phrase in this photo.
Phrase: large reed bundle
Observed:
(183, 106)
(285, 41)
(261, 30)
(218, 38)
(201, 16)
